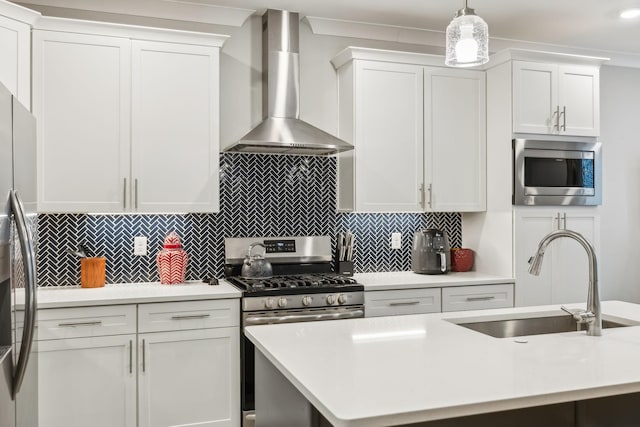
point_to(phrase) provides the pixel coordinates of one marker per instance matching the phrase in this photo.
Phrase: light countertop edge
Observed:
(410, 280)
(128, 293)
(546, 370)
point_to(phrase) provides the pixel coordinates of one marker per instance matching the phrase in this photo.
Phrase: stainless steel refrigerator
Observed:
(18, 222)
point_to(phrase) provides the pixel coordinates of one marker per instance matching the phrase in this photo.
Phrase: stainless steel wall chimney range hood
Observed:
(282, 131)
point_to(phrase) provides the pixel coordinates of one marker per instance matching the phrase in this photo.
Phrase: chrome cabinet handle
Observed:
(430, 189)
(131, 356)
(422, 195)
(557, 114)
(400, 303)
(124, 194)
(189, 317)
(564, 219)
(135, 185)
(564, 119)
(557, 218)
(487, 298)
(144, 357)
(74, 324)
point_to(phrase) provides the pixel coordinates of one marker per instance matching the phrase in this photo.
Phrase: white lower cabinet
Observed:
(436, 300)
(178, 366)
(405, 301)
(187, 378)
(461, 298)
(87, 382)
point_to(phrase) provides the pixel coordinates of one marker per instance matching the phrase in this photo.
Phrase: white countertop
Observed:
(411, 280)
(129, 293)
(403, 369)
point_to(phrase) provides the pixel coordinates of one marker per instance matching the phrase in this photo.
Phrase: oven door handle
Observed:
(291, 318)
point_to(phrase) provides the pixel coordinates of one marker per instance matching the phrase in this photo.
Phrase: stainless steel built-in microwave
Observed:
(556, 172)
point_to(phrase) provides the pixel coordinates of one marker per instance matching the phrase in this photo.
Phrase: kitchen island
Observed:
(421, 368)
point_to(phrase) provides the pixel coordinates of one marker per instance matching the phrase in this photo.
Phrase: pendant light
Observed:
(467, 39)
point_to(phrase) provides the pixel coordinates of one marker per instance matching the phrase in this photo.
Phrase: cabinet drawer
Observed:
(406, 301)
(59, 323)
(477, 297)
(176, 316)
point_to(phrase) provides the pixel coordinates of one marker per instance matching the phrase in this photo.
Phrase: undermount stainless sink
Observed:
(508, 328)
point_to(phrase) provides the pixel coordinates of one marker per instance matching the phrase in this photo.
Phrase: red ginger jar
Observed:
(172, 261)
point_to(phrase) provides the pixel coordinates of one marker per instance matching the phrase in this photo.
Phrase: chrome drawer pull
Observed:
(192, 316)
(74, 324)
(480, 298)
(404, 303)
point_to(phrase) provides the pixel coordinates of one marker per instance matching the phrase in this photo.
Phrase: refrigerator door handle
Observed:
(28, 260)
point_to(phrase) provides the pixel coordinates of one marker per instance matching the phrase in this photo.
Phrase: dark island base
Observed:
(280, 404)
(612, 411)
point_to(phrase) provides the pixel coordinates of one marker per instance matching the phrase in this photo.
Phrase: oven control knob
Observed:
(342, 299)
(268, 303)
(331, 299)
(306, 300)
(282, 302)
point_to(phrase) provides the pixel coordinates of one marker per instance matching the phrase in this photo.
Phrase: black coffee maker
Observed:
(430, 252)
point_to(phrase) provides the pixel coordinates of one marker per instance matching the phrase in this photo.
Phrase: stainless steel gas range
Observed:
(303, 288)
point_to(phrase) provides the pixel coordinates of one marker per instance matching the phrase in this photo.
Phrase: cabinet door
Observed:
(530, 226)
(87, 382)
(579, 100)
(15, 67)
(571, 265)
(189, 378)
(564, 275)
(82, 106)
(388, 137)
(175, 127)
(455, 140)
(535, 97)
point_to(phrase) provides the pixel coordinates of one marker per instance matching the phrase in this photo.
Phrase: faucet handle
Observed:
(582, 316)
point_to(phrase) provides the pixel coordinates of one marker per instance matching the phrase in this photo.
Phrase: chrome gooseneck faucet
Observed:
(592, 316)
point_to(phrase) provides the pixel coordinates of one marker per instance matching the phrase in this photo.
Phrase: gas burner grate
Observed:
(300, 283)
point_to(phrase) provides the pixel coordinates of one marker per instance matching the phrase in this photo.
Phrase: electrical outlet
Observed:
(396, 240)
(140, 245)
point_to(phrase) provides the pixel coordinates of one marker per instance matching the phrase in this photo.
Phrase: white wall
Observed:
(620, 210)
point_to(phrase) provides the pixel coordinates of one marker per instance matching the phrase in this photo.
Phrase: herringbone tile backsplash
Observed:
(260, 195)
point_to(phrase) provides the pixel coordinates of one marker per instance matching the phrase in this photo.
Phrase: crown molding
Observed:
(180, 10)
(18, 13)
(129, 31)
(418, 36)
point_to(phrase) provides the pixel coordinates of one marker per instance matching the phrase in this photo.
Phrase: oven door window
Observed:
(553, 171)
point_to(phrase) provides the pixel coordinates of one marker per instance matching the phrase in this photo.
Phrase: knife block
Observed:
(345, 268)
(92, 272)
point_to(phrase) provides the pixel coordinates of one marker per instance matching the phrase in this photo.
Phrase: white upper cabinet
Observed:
(82, 105)
(556, 99)
(174, 127)
(455, 140)
(125, 125)
(387, 137)
(418, 133)
(15, 49)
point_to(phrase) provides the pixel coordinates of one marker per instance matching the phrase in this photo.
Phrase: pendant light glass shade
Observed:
(467, 40)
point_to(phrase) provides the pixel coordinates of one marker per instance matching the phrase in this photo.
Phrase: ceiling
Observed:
(591, 25)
